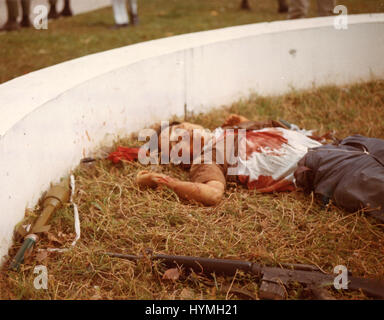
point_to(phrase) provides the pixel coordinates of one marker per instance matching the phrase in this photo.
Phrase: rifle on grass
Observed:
(273, 279)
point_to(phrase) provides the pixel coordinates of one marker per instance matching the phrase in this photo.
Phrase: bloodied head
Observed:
(183, 141)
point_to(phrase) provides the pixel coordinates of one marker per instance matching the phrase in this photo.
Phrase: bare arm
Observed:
(209, 193)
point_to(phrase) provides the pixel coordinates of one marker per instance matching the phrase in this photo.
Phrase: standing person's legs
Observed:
(283, 6)
(325, 7)
(245, 5)
(298, 9)
(133, 12)
(53, 14)
(67, 11)
(13, 12)
(25, 4)
(120, 13)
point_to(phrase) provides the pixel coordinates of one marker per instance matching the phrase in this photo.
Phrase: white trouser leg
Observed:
(120, 11)
(133, 6)
(298, 9)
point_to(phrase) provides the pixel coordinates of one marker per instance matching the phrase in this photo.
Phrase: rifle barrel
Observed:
(200, 265)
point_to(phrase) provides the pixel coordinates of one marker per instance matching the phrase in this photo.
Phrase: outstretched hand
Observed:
(152, 179)
(209, 193)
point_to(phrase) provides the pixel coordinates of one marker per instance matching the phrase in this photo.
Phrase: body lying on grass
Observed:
(269, 157)
(261, 155)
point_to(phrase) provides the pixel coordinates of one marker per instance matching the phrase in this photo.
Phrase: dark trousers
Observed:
(13, 9)
(66, 10)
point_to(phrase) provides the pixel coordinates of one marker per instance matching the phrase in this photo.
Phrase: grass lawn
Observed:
(266, 228)
(27, 50)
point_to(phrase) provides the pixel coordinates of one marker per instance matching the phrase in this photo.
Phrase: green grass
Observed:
(27, 50)
(270, 229)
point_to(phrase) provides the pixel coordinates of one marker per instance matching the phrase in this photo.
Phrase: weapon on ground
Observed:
(56, 196)
(273, 279)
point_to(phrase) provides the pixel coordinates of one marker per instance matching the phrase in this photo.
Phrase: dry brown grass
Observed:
(269, 229)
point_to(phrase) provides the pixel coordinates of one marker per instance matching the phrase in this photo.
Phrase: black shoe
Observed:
(245, 5)
(134, 19)
(283, 9)
(53, 14)
(67, 12)
(10, 26)
(25, 23)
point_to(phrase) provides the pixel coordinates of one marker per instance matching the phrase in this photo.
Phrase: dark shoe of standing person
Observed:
(67, 12)
(25, 23)
(245, 5)
(10, 26)
(283, 6)
(134, 19)
(53, 14)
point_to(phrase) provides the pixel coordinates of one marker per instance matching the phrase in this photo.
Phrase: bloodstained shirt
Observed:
(264, 160)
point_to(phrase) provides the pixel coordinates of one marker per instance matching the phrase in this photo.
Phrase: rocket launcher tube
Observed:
(56, 196)
(53, 200)
(28, 244)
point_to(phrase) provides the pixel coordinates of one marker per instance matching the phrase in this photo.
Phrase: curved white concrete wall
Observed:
(52, 118)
